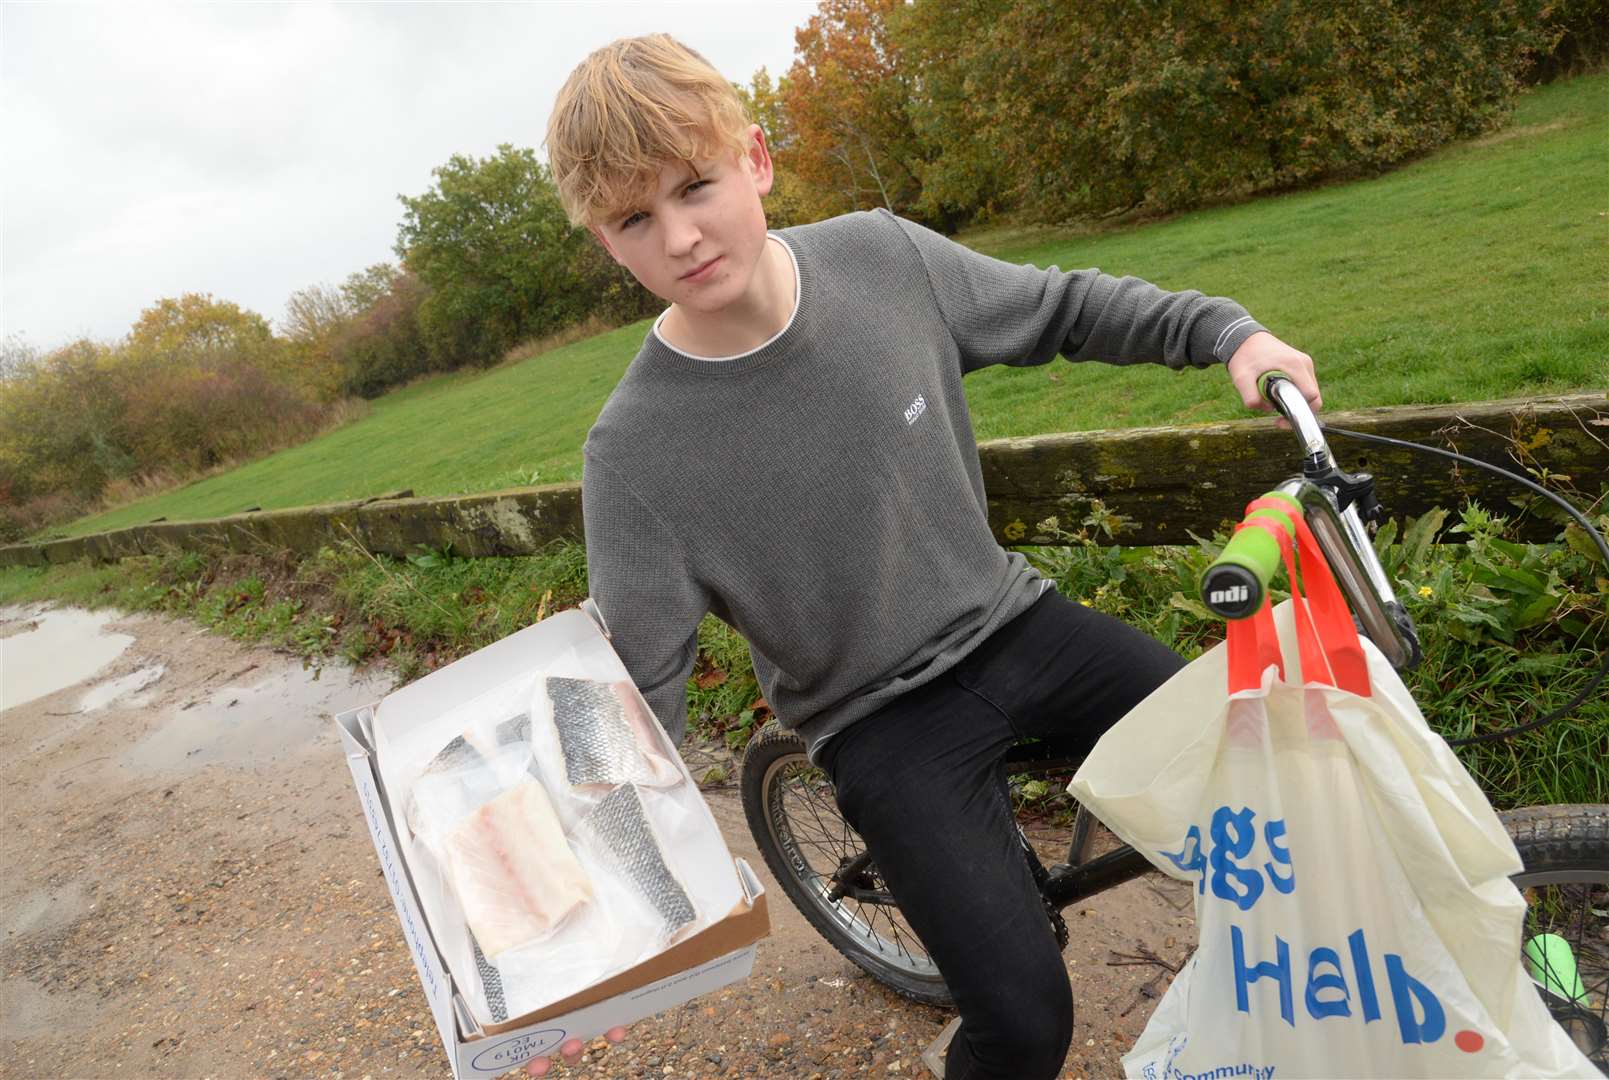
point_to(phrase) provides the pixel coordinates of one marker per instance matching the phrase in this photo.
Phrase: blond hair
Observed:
(627, 111)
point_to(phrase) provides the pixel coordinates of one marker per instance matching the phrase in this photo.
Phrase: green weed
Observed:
(1509, 630)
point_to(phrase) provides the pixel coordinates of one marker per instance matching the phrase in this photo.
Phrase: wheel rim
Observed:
(1572, 905)
(804, 823)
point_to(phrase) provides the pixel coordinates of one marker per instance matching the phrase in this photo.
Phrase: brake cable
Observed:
(1580, 518)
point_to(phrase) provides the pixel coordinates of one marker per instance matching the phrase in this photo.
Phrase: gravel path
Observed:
(191, 892)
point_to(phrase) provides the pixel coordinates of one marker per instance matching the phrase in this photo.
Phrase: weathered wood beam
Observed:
(1167, 483)
(1164, 483)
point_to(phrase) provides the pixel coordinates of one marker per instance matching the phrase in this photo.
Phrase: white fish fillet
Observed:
(513, 870)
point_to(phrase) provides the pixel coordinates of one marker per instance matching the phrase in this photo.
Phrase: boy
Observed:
(791, 451)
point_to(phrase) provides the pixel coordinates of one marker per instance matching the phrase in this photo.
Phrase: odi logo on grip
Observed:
(1235, 594)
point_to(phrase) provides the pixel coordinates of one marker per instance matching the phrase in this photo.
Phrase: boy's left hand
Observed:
(570, 1052)
(1264, 352)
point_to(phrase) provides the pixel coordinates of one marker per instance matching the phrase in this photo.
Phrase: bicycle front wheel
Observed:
(1565, 883)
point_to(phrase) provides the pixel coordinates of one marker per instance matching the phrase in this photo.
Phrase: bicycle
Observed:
(825, 871)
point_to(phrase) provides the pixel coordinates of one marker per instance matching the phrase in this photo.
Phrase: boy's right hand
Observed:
(571, 1052)
(1263, 352)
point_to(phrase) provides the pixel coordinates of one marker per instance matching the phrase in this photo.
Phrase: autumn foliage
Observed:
(846, 99)
(198, 383)
(965, 109)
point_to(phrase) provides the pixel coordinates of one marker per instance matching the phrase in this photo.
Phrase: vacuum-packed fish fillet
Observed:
(507, 748)
(513, 870)
(607, 735)
(457, 780)
(619, 826)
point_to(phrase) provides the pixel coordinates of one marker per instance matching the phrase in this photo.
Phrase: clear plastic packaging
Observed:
(554, 835)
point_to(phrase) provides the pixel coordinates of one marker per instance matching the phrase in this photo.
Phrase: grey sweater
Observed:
(822, 493)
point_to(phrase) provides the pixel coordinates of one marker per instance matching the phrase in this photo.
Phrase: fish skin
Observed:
(618, 826)
(457, 756)
(516, 731)
(597, 737)
(491, 980)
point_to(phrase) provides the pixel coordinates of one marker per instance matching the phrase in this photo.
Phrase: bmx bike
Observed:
(827, 873)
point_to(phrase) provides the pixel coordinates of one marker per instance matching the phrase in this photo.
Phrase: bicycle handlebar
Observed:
(1234, 585)
(1335, 505)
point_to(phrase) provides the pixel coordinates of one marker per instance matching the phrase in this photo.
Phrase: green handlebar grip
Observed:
(1236, 582)
(1263, 380)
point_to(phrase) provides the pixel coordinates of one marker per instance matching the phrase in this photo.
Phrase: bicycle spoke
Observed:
(809, 824)
(899, 943)
(1569, 912)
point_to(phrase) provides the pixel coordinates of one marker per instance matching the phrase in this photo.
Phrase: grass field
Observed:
(1477, 272)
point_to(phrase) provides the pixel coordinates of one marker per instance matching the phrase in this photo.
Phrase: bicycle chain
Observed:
(1041, 876)
(1057, 923)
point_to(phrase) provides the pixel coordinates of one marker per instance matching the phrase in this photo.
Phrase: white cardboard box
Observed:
(716, 956)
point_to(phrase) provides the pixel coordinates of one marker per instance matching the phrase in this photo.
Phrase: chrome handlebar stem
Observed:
(1330, 499)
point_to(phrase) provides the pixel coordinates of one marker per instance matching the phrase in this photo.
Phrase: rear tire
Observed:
(796, 824)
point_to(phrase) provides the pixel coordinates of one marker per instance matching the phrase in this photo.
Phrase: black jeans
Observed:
(922, 780)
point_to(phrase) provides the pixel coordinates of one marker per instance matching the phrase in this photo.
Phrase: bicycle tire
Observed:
(778, 785)
(1565, 882)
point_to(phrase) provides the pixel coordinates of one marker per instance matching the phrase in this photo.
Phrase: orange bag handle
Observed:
(1326, 638)
(1253, 641)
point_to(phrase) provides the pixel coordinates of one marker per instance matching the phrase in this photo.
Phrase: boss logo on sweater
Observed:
(915, 409)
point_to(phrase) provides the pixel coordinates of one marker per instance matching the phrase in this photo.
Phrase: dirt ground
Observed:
(190, 891)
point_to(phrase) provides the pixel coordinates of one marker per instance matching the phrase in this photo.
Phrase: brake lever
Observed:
(1318, 464)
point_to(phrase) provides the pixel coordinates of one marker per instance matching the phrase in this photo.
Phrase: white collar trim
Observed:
(721, 359)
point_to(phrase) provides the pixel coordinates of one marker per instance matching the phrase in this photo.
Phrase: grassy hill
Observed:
(1476, 272)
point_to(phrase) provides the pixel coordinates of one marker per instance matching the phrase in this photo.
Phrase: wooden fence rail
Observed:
(1165, 483)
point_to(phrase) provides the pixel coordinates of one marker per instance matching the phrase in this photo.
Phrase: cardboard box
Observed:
(716, 956)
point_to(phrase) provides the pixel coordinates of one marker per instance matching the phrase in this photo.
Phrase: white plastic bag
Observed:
(1353, 905)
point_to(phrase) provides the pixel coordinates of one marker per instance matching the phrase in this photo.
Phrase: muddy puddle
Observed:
(46, 650)
(125, 690)
(255, 722)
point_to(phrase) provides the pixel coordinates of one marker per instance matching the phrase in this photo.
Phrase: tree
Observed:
(315, 319)
(1080, 110)
(382, 346)
(358, 337)
(17, 357)
(492, 244)
(954, 58)
(61, 424)
(846, 98)
(195, 325)
(205, 381)
(790, 201)
(362, 289)
(314, 312)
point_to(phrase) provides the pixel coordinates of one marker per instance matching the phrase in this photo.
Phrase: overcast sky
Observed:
(249, 150)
